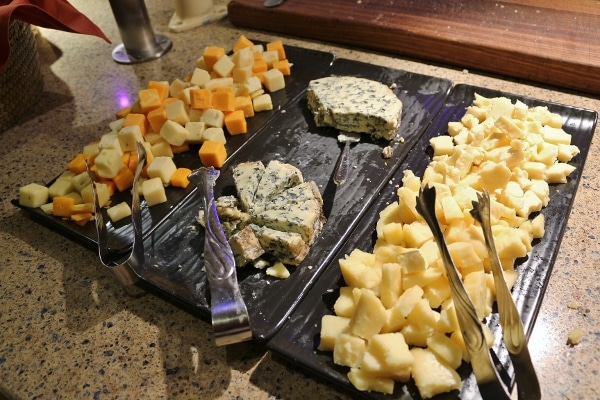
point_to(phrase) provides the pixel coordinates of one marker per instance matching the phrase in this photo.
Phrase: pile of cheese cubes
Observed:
(215, 99)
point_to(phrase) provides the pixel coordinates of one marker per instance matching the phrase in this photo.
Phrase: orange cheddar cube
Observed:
(200, 99)
(223, 100)
(161, 87)
(235, 122)
(81, 218)
(212, 154)
(259, 66)
(180, 177)
(242, 42)
(211, 55)
(61, 206)
(244, 103)
(77, 164)
(149, 100)
(157, 118)
(122, 113)
(124, 179)
(169, 100)
(283, 66)
(134, 159)
(278, 46)
(137, 119)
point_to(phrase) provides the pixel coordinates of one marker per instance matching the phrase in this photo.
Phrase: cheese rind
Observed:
(287, 247)
(355, 104)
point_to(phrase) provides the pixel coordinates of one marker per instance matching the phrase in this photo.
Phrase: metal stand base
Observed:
(163, 45)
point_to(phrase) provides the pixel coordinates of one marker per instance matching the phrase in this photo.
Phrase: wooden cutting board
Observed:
(554, 42)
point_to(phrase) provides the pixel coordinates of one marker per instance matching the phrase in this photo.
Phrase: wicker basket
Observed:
(21, 79)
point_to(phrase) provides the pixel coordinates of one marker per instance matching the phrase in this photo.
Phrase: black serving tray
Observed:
(298, 339)
(173, 249)
(307, 65)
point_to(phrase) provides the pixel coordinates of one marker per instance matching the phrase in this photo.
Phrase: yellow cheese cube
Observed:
(432, 376)
(162, 168)
(33, 195)
(154, 191)
(108, 163)
(331, 327)
(129, 136)
(174, 133)
(348, 350)
(119, 211)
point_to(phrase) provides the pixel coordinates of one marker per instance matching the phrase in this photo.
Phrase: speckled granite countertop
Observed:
(68, 329)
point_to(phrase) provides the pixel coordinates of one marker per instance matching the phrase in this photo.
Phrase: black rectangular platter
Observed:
(173, 249)
(298, 339)
(308, 65)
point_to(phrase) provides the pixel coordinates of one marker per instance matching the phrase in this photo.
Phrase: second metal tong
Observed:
(230, 319)
(487, 375)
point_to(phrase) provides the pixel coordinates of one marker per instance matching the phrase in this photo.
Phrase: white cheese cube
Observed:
(152, 137)
(33, 195)
(223, 66)
(177, 86)
(243, 57)
(67, 175)
(195, 130)
(270, 56)
(185, 96)
(273, 80)
(129, 136)
(119, 211)
(217, 83)
(252, 84)
(163, 168)
(199, 77)
(60, 187)
(262, 103)
(108, 163)
(213, 117)
(278, 270)
(214, 134)
(162, 148)
(92, 149)
(154, 191)
(177, 111)
(241, 74)
(80, 181)
(194, 114)
(110, 141)
(174, 133)
(87, 194)
(47, 208)
(115, 126)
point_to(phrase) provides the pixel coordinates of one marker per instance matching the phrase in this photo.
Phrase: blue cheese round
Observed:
(354, 104)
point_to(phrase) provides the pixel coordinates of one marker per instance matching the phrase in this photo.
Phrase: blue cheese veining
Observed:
(354, 104)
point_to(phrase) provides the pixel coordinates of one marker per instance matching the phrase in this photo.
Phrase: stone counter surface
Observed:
(69, 330)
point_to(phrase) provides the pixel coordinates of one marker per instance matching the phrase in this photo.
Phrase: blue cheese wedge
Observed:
(276, 178)
(354, 104)
(286, 247)
(245, 246)
(246, 177)
(304, 220)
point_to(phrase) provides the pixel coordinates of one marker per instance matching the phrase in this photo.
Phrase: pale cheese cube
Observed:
(110, 141)
(154, 191)
(108, 163)
(218, 83)
(47, 208)
(432, 376)
(177, 112)
(174, 133)
(348, 350)
(60, 187)
(364, 381)
(152, 137)
(162, 148)
(243, 57)
(388, 355)
(214, 134)
(116, 125)
(87, 194)
(369, 316)
(213, 118)
(412, 261)
(558, 172)
(555, 135)
(566, 152)
(119, 211)
(92, 148)
(177, 86)
(186, 97)
(199, 77)
(360, 272)
(252, 84)
(162, 168)
(273, 80)
(331, 327)
(80, 181)
(129, 136)
(194, 114)
(442, 145)
(270, 56)
(223, 66)
(391, 284)
(195, 130)
(416, 233)
(33, 195)
(345, 305)
(241, 74)
(262, 103)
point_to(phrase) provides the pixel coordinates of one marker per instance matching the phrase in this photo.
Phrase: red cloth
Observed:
(53, 14)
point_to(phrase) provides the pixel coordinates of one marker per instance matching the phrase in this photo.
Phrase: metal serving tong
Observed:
(230, 319)
(528, 385)
(487, 375)
(119, 264)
